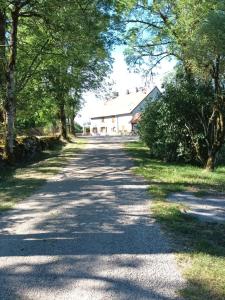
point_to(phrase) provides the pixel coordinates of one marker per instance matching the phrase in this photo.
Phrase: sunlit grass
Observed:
(17, 183)
(200, 246)
(173, 177)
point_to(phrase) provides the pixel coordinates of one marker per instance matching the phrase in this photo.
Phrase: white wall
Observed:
(121, 124)
(124, 124)
(116, 125)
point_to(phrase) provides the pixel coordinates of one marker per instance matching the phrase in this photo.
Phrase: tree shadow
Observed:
(76, 270)
(87, 229)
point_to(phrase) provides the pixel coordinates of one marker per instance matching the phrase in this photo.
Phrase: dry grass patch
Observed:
(19, 182)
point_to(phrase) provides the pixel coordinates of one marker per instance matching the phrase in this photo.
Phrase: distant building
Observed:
(121, 114)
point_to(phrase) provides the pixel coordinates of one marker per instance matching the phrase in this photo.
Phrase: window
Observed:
(103, 130)
(113, 119)
(103, 120)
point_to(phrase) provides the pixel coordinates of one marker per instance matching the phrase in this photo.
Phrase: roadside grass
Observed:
(20, 181)
(200, 246)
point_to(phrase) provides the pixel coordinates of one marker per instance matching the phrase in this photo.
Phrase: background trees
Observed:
(50, 52)
(193, 33)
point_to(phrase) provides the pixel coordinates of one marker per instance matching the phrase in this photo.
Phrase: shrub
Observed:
(173, 126)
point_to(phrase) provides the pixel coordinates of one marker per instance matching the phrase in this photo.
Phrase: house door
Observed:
(95, 130)
(103, 130)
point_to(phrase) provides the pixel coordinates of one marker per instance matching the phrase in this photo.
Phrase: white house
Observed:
(121, 114)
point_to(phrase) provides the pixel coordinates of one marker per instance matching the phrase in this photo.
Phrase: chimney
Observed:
(115, 94)
(137, 89)
(143, 89)
(128, 92)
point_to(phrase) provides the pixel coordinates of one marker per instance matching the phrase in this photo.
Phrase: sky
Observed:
(124, 80)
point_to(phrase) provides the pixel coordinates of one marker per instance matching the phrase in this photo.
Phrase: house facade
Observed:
(121, 114)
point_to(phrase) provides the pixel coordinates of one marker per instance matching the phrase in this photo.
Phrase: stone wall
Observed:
(26, 148)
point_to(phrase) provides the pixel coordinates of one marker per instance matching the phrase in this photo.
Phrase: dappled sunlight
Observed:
(84, 269)
(18, 183)
(198, 243)
(88, 232)
(186, 176)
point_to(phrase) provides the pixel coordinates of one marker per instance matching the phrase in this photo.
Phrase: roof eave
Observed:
(108, 116)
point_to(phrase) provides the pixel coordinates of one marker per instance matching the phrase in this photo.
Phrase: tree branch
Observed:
(154, 25)
(29, 72)
(30, 14)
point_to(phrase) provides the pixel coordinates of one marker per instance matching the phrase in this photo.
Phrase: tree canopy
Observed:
(51, 51)
(193, 33)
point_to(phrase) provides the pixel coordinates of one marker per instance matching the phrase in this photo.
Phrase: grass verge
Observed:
(20, 181)
(200, 246)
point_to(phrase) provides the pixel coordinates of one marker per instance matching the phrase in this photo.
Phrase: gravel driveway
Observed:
(87, 235)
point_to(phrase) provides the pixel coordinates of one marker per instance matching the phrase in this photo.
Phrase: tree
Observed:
(173, 127)
(2, 60)
(10, 13)
(74, 103)
(81, 67)
(190, 31)
(208, 63)
(32, 25)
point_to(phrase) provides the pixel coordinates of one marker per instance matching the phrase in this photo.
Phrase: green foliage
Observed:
(193, 33)
(154, 130)
(78, 128)
(63, 69)
(199, 246)
(161, 29)
(174, 126)
(57, 56)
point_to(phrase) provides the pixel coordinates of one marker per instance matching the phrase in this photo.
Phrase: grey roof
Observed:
(124, 104)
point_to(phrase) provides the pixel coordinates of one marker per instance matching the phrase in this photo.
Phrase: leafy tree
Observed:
(191, 32)
(174, 127)
(160, 129)
(11, 13)
(31, 34)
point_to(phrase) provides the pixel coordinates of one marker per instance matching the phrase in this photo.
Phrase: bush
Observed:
(78, 128)
(165, 139)
(173, 126)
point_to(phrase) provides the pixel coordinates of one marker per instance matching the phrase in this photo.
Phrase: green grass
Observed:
(200, 246)
(20, 181)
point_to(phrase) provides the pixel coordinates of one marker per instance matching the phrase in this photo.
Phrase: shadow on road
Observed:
(91, 221)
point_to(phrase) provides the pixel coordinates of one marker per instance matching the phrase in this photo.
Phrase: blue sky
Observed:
(123, 80)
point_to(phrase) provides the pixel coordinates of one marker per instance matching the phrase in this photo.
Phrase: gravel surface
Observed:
(210, 208)
(87, 235)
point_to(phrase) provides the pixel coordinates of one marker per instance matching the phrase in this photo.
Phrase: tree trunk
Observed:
(2, 55)
(11, 89)
(72, 125)
(63, 121)
(216, 126)
(215, 138)
(2, 63)
(210, 164)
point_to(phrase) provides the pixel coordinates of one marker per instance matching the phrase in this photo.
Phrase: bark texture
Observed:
(72, 124)
(216, 125)
(10, 101)
(63, 121)
(2, 60)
